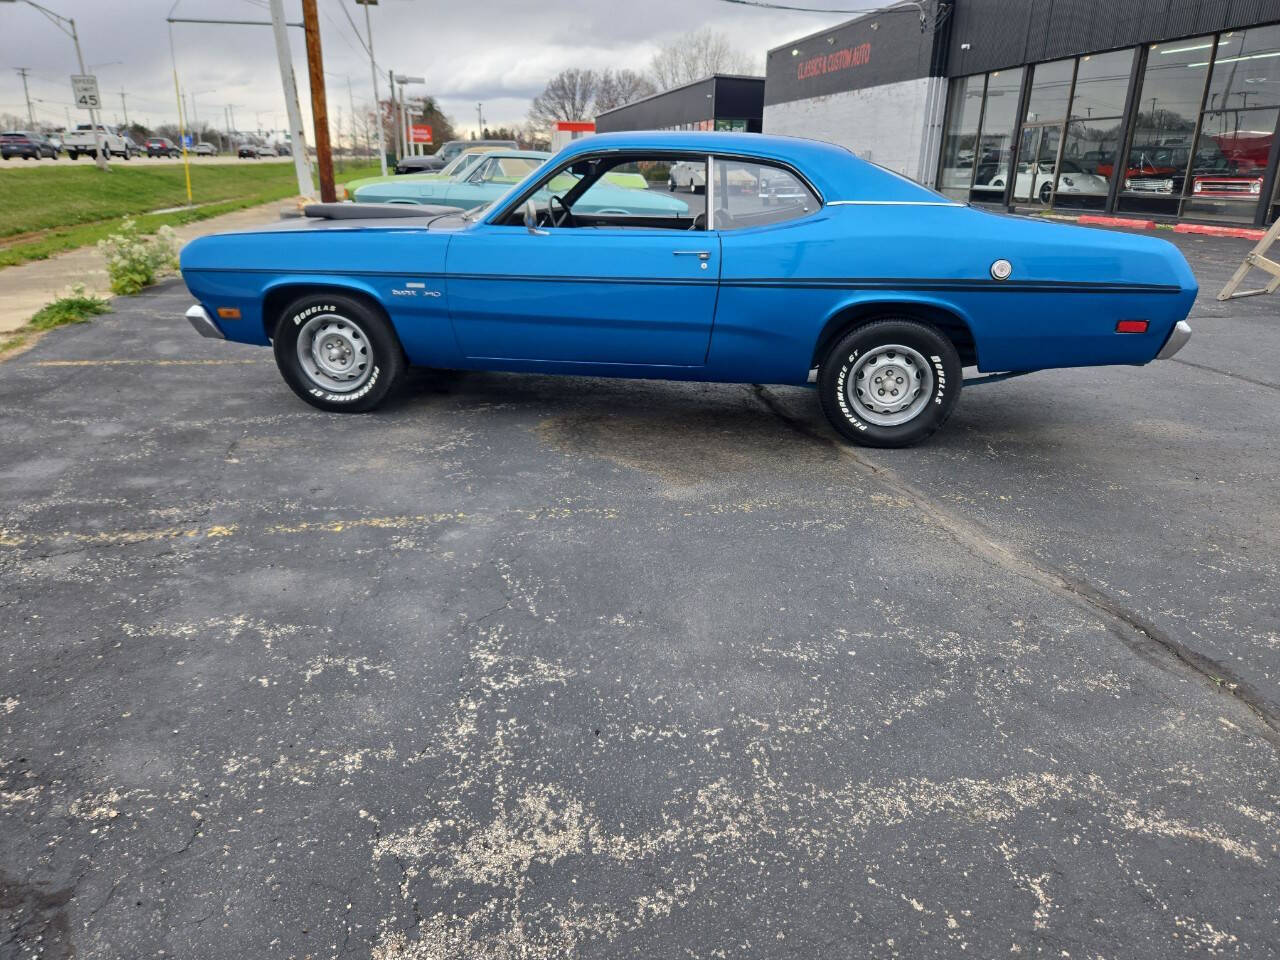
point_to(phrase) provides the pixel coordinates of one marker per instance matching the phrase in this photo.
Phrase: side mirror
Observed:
(531, 219)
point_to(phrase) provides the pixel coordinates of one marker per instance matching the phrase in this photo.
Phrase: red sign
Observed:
(420, 133)
(576, 126)
(830, 63)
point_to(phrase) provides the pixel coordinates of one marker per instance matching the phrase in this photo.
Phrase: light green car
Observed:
(481, 178)
(458, 166)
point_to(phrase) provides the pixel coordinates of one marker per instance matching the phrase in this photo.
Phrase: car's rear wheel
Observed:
(889, 383)
(337, 353)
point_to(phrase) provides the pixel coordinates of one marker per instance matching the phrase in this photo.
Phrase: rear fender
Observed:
(866, 305)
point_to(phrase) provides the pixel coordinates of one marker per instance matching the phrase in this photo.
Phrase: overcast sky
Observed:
(499, 52)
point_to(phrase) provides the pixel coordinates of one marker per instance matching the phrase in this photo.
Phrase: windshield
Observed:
(461, 164)
(450, 150)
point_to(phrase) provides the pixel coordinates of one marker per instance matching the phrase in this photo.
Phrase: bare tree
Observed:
(622, 86)
(695, 56)
(569, 95)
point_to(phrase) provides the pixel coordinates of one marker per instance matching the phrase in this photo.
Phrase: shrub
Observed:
(76, 307)
(134, 260)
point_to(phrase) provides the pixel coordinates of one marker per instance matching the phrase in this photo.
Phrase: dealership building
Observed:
(1166, 109)
(1163, 109)
(720, 102)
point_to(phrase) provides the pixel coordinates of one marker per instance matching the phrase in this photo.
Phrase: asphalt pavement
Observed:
(545, 667)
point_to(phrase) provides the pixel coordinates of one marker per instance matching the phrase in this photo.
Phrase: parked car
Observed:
(1152, 169)
(1036, 179)
(163, 147)
(82, 140)
(282, 150)
(458, 166)
(498, 170)
(25, 144)
(687, 176)
(433, 164)
(449, 151)
(1223, 186)
(250, 151)
(131, 147)
(205, 149)
(875, 288)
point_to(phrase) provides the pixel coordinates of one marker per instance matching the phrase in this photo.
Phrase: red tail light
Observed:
(1131, 326)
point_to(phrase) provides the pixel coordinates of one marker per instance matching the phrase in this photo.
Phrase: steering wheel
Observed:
(564, 218)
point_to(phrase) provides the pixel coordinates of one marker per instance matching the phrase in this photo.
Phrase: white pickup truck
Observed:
(81, 140)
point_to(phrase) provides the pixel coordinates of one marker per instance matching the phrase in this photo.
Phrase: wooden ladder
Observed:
(1257, 257)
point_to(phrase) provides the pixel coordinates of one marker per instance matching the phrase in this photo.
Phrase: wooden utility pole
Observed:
(319, 108)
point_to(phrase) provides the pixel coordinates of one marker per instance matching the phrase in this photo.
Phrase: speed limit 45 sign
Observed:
(84, 91)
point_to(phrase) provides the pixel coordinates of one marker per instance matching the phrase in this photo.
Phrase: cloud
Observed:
(500, 52)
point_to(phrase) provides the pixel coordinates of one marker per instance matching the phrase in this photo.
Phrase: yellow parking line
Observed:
(131, 363)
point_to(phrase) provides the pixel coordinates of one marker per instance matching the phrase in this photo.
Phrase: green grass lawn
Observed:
(47, 210)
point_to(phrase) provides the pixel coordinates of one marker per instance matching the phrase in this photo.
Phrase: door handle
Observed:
(700, 254)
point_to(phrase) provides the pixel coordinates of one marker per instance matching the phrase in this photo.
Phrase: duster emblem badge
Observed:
(1001, 270)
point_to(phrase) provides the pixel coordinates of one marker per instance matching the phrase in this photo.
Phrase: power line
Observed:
(894, 8)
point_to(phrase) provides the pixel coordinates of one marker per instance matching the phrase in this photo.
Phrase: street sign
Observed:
(84, 91)
(420, 133)
(186, 139)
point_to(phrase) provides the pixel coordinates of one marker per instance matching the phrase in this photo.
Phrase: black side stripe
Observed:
(832, 283)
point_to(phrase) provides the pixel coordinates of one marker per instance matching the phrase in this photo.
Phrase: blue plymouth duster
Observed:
(806, 265)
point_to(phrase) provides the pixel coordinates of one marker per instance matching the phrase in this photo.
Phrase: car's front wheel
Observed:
(337, 353)
(890, 383)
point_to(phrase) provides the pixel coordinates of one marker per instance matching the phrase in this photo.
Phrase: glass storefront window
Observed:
(1246, 70)
(959, 144)
(1230, 164)
(1050, 90)
(1088, 162)
(1168, 105)
(1102, 83)
(995, 140)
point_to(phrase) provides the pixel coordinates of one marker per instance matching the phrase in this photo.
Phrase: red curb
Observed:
(1242, 232)
(1098, 221)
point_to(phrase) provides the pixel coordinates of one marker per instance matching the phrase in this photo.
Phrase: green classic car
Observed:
(481, 181)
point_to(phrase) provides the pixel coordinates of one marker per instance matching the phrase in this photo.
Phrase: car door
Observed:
(615, 295)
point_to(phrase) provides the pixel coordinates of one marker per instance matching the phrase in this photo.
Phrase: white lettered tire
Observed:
(889, 383)
(338, 353)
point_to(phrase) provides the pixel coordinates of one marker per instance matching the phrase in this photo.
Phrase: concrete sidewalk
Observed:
(26, 288)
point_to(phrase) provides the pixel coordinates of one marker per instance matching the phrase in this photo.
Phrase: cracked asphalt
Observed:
(537, 667)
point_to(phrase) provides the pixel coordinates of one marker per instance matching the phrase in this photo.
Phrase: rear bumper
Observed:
(1178, 338)
(203, 323)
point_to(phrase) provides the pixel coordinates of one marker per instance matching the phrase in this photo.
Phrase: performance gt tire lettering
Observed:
(386, 356)
(841, 360)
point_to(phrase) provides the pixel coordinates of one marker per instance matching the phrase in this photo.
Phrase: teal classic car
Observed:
(495, 173)
(458, 166)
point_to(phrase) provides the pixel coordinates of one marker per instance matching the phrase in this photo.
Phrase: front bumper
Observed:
(1178, 338)
(203, 323)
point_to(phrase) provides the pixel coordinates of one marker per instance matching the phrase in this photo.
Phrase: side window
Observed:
(748, 194)
(657, 193)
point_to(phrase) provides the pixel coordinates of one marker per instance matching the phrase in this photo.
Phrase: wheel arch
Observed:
(951, 321)
(276, 296)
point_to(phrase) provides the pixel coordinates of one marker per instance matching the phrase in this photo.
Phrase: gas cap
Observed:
(1001, 270)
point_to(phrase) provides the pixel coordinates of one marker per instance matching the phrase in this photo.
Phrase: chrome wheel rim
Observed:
(335, 353)
(890, 385)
